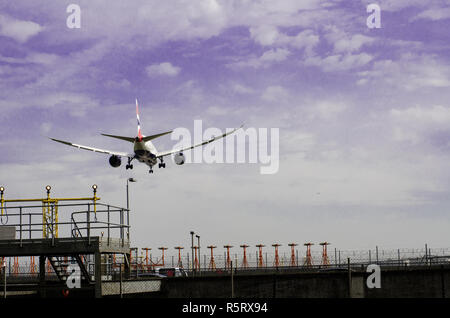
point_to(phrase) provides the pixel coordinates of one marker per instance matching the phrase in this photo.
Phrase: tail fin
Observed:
(138, 122)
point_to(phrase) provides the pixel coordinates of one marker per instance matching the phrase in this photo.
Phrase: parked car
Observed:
(171, 272)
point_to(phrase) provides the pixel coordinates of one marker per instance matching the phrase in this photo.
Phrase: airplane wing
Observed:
(120, 154)
(167, 153)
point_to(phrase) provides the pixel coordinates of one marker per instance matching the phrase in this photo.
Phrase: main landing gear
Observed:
(162, 164)
(151, 170)
(129, 165)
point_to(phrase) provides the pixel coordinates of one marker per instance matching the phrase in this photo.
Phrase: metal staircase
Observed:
(60, 266)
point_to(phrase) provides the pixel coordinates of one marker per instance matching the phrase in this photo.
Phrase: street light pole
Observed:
(3, 264)
(128, 207)
(129, 180)
(199, 257)
(192, 249)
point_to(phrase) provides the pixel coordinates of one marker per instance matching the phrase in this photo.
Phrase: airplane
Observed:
(144, 150)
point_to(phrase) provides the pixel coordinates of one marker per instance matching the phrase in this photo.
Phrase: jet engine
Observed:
(179, 158)
(115, 161)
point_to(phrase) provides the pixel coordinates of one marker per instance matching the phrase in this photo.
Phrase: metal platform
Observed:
(85, 236)
(63, 246)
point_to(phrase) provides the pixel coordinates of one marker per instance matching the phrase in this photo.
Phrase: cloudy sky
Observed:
(363, 115)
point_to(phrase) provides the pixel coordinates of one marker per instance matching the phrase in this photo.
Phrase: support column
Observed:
(98, 274)
(127, 267)
(42, 286)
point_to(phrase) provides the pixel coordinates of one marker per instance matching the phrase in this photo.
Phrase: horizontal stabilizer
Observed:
(147, 138)
(130, 139)
(167, 153)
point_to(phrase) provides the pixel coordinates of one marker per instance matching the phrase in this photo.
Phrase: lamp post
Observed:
(2, 189)
(128, 207)
(199, 257)
(48, 188)
(128, 202)
(192, 249)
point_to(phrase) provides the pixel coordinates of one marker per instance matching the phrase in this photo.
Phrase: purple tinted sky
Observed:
(363, 114)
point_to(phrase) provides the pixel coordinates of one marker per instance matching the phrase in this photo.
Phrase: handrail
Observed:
(75, 227)
(28, 220)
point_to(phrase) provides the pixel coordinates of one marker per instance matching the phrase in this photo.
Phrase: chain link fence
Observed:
(298, 260)
(142, 274)
(141, 265)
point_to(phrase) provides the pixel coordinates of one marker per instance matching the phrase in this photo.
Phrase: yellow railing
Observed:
(49, 209)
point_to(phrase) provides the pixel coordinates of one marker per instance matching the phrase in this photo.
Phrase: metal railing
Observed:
(83, 222)
(337, 260)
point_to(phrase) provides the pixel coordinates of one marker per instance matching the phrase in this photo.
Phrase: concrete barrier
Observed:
(430, 282)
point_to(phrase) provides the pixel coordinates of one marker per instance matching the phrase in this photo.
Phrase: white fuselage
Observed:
(145, 152)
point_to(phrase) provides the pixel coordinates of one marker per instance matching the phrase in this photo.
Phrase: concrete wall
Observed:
(413, 283)
(426, 282)
(259, 286)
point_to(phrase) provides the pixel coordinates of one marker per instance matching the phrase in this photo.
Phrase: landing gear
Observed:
(150, 171)
(129, 165)
(162, 164)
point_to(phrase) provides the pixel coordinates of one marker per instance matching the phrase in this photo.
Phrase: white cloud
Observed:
(434, 14)
(328, 109)
(267, 35)
(415, 124)
(345, 43)
(305, 39)
(429, 116)
(354, 43)
(35, 58)
(216, 111)
(345, 54)
(276, 55)
(265, 60)
(163, 69)
(45, 128)
(119, 84)
(409, 72)
(297, 142)
(77, 105)
(264, 34)
(397, 5)
(18, 30)
(241, 89)
(275, 93)
(340, 62)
